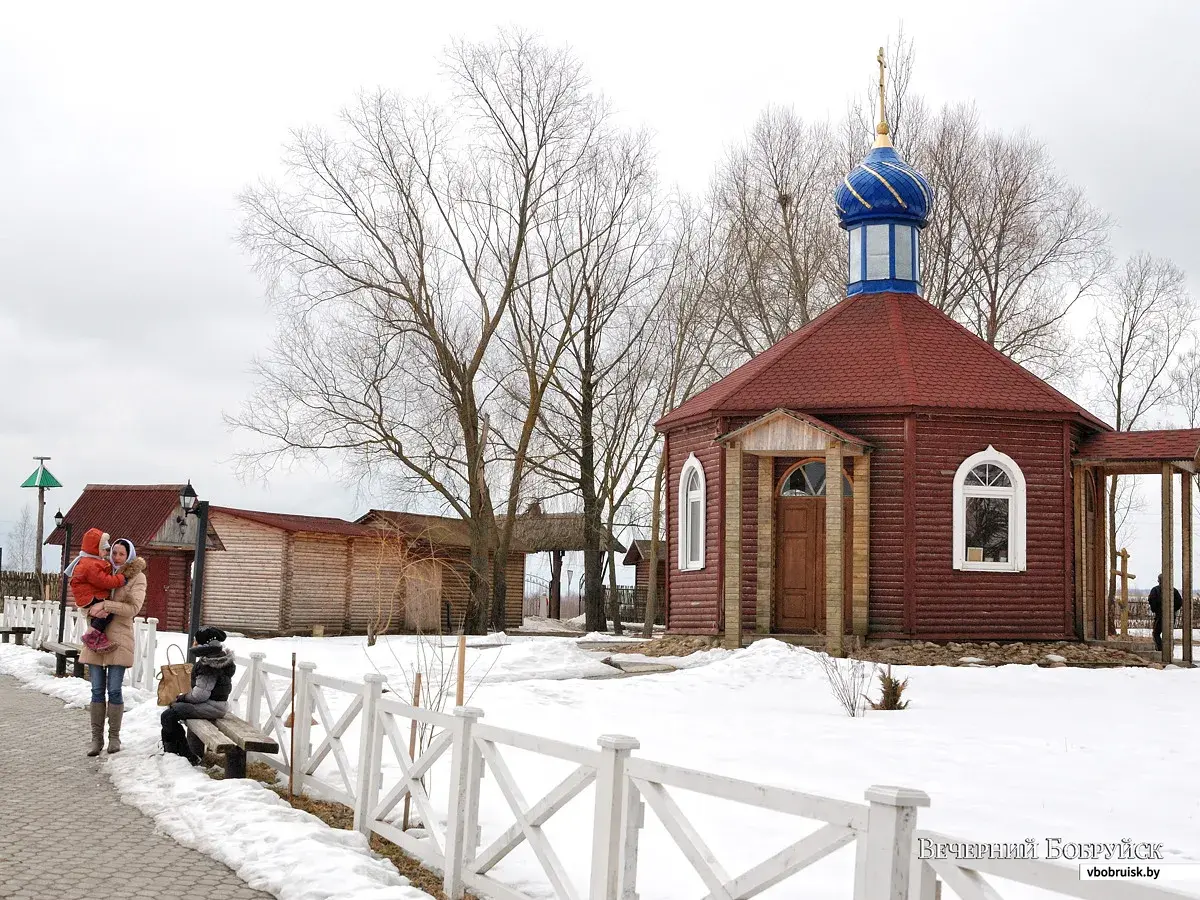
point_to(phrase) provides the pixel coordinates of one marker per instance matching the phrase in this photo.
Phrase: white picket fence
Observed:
(329, 710)
(43, 617)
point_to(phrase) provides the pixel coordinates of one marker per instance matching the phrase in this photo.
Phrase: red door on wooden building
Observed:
(800, 550)
(156, 589)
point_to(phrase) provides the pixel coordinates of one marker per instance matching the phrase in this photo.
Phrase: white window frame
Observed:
(692, 464)
(1016, 511)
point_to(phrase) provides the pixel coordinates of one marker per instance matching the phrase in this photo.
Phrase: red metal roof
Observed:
(1142, 446)
(133, 511)
(879, 351)
(293, 523)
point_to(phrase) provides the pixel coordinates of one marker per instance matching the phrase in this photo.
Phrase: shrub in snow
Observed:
(849, 680)
(890, 691)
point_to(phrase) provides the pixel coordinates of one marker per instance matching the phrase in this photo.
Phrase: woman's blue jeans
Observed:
(110, 677)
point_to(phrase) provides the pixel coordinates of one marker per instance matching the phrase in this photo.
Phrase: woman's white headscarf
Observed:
(132, 552)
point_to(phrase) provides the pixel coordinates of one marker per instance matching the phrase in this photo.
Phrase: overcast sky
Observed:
(128, 318)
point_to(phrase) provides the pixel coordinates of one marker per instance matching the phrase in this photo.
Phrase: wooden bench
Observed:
(231, 737)
(17, 631)
(63, 652)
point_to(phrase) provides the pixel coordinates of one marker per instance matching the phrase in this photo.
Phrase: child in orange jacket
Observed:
(92, 578)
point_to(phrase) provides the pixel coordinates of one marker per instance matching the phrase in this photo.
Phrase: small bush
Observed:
(849, 680)
(891, 690)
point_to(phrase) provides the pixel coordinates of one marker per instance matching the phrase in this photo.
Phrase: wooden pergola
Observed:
(785, 433)
(1164, 453)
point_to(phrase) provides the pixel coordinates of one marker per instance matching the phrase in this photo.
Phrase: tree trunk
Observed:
(593, 558)
(655, 526)
(499, 616)
(554, 600)
(615, 600)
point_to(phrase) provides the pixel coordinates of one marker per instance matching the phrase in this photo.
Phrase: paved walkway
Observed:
(47, 851)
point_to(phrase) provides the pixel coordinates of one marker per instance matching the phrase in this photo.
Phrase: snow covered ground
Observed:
(1005, 753)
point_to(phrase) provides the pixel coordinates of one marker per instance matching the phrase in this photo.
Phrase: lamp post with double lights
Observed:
(194, 506)
(62, 523)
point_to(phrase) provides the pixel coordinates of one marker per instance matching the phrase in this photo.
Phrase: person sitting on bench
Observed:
(212, 682)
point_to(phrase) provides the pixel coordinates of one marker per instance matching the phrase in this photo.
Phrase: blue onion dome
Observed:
(883, 188)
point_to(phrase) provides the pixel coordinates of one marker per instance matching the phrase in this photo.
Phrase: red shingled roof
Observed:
(1142, 446)
(876, 351)
(292, 523)
(133, 511)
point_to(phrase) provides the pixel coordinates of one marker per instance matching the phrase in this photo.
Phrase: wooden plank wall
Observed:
(376, 585)
(318, 583)
(694, 597)
(243, 582)
(991, 605)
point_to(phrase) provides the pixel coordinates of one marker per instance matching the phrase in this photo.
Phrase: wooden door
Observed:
(800, 564)
(155, 604)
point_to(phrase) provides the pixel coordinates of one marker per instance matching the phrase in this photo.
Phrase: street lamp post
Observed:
(66, 553)
(193, 506)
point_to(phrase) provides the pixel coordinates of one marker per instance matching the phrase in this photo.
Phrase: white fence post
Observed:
(254, 689)
(885, 860)
(463, 808)
(139, 652)
(607, 826)
(370, 754)
(302, 723)
(150, 651)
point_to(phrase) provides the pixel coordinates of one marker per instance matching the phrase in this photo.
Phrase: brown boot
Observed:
(97, 713)
(115, 711)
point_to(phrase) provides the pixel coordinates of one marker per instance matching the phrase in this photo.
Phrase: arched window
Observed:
(692, 518)
(989, 513)
(808, 480)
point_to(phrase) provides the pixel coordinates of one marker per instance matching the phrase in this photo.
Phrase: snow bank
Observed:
(270, 845)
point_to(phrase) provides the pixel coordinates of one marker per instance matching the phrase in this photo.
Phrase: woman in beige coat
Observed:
(107, 669)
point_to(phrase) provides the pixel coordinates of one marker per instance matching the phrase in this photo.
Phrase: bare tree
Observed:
(21, 544)
(608, 293)
(1036, 247)
(1142, 318)
(395, 255)
(1185, 379)
(781, 243)
(687, 331)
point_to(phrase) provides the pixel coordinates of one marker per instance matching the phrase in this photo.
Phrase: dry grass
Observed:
(338, 815)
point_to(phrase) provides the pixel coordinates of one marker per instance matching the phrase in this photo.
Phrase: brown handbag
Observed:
(174, 679)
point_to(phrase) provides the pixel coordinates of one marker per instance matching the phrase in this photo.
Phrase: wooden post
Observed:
(1123, 575)
(464, 801)
(292, 735)
(412, 743)
(461, 679)
(733, 546)
(370, 752)
(302, 722)
(1185, 510)
(891, 821)
(835, 589)
(1168, 564)
(861, 545)
(765, 566)
(1081, 538)
(611, 785)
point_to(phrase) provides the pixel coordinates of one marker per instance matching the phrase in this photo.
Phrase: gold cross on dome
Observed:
(881, 130)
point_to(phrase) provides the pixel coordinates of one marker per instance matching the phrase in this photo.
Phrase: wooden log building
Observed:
(883, 473)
